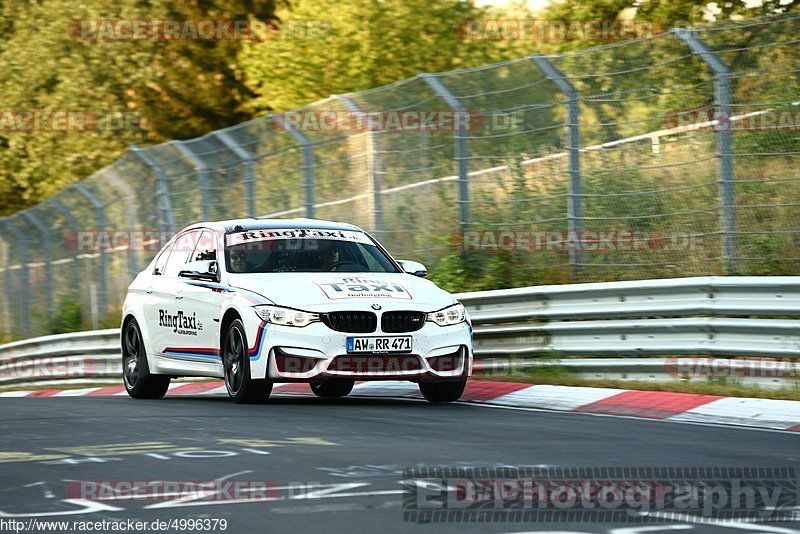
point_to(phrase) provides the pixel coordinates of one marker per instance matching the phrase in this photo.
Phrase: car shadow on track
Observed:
(298, 400)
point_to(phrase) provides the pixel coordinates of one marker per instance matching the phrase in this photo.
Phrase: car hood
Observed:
(320, 292)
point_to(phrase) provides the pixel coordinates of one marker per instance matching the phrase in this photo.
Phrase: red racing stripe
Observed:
(650, 404)
(212, 352)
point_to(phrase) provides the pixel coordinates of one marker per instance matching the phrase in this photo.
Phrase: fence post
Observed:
(247, 160)
(73, 222)
(24, 287)
(722, 109)
(201, 169)
(48, 257)
(373, 167)
(575, 192)
(308, 164)
(6, 316)
(100, 216)
(461, 154)
(165, 216)
(130, 213)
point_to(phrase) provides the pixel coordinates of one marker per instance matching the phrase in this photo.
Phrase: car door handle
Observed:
(148, 289)
(179, 295)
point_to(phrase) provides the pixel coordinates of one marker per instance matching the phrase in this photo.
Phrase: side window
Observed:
(182, 249)
(161, 262)
(206, 248)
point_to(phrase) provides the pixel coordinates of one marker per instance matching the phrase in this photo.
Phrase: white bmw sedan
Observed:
(258, 301)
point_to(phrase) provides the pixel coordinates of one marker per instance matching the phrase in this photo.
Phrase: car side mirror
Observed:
(413, 267)
(201, 270)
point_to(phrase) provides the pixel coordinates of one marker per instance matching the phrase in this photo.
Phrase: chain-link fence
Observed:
(650, 158)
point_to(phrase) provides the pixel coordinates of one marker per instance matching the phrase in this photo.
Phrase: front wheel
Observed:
(236, 360)
(139, 382)
(332, 388)
(443, 391)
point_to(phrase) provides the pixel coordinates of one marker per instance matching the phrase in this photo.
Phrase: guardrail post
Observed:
(373, 167)
(461, 153)
(722, 108)
(48, 257)
(201, 169)
(100, 216)
(73, 222)
(247, 161)
(575, 189)
(308, 164)
(24, 288)
(165, 216)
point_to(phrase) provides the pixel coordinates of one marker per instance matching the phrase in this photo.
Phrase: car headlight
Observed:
(448, 316)
(285, 316)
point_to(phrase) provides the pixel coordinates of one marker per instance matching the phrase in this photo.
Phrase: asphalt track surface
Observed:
(337, 464)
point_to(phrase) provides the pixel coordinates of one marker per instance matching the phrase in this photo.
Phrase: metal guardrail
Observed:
(716, 316)
(79, 356)
(712, 316)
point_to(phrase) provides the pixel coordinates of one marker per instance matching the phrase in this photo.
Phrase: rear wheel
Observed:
(332, 388)
(139, 382)
(443, 391)
(235, 359)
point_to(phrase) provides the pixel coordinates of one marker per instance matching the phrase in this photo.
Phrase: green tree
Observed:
(367, 43)
(177, 89)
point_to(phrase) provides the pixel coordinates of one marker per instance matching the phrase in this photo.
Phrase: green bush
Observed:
(67, 318)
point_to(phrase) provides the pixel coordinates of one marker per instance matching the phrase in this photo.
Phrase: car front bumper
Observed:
(288, 354)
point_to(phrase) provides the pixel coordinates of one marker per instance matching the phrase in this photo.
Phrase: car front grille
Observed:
(355, 322)
(394, 322)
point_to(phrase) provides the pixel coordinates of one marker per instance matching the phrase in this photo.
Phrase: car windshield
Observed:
(304, 251)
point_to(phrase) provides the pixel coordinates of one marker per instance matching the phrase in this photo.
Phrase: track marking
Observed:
(744, 524)
(89, 507)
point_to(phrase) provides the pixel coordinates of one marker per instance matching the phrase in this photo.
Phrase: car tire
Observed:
(139, 382)
(236, 365)
(332, 388)
(443, 391)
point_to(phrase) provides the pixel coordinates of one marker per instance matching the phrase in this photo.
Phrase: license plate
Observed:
(379, 344)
